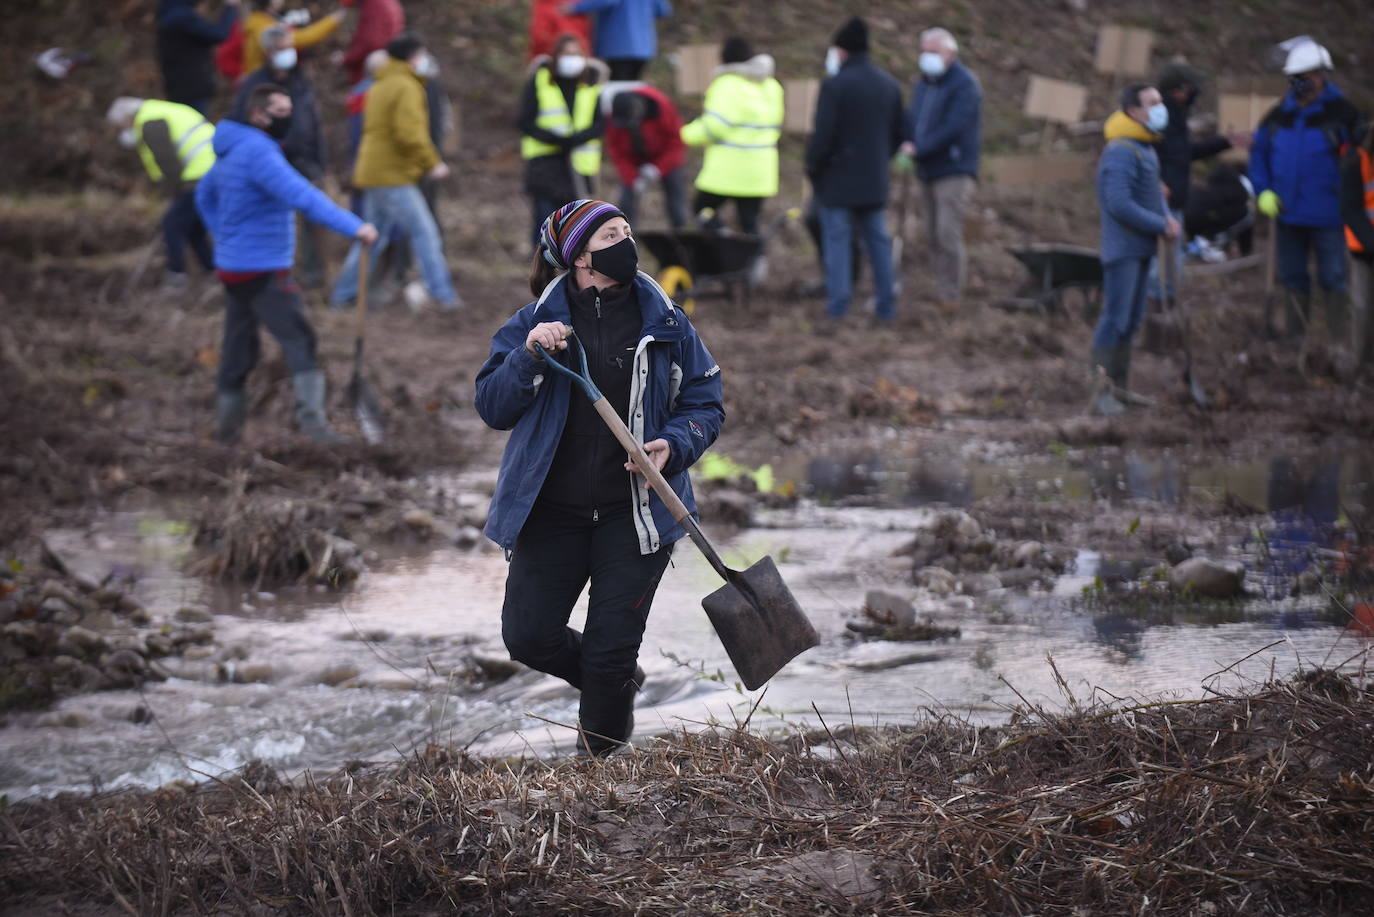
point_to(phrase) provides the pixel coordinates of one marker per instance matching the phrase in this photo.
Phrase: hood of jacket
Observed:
(1122, 126)
(230, 135)
(760, 67)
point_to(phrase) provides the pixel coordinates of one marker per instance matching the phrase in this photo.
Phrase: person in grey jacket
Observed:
(1134, 215)
(946, 134)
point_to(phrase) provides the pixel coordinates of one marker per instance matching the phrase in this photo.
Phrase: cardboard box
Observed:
(1241, 113)
(1025, 171)
(695, 65)
(1123, 51)
(799, 98)
(1055, 100)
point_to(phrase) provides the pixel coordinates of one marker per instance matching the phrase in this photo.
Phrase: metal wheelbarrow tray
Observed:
(1056, 268)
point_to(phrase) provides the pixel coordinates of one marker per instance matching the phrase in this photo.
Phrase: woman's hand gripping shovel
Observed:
(755, 616)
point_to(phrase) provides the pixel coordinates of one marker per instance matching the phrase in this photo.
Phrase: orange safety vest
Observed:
(1367, 175)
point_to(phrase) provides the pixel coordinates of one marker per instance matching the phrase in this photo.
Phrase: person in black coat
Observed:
(860, 123)
(186, 49)
(303, 145)
(1180, 84)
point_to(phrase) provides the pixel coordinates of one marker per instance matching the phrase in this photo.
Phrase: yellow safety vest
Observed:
(740, 128)
(192, 136)
(555, 118)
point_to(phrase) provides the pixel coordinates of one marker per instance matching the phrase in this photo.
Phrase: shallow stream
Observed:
(318, 680)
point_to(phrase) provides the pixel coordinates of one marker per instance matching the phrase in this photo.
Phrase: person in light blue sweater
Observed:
(248, 202)
(1134, 216)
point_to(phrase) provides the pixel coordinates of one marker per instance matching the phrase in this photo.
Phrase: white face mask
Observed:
(285, 59)
(932, 64)
(128, 138)
(832, 61)
(426, 67)
(571, 65)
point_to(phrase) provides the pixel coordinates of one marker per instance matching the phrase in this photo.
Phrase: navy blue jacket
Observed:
(248, 199)
(304, 143)
(625, 29)
(1296, 154)
(675, 395)
(947, 123)
(1128, 193)
(860, 123)
(186, 48)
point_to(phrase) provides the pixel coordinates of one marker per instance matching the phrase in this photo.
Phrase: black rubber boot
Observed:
(310, 416)
(1121, 374)
(1103, 403)
(231, 409)
(606, 716)
(1297, 313)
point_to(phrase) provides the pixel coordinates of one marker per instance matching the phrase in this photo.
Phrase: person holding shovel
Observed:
(1134, 215)
(247, 200)
(568, 507)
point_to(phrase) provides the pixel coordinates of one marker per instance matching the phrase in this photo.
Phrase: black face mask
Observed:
(279, 127)
(619, 262)
(1301, 85)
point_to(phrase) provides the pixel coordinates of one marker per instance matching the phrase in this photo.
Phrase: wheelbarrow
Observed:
(1056, 269)
(689, 257)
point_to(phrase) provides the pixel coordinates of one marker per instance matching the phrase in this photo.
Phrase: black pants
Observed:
(273, 301)
(181, 226)
(556, 553)
(746, 209)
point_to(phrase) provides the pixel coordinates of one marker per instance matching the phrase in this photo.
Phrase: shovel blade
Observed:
(366, 409)
(759, 623)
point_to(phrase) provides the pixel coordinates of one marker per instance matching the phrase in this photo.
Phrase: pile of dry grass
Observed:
(1258, 804)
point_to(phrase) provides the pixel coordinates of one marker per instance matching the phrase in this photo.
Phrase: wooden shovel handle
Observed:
(364, 256)
(641, 459)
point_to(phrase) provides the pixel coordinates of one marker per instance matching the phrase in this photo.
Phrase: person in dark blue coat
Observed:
(947, 128)
(626, 32)
(248, 201)
(568, 506)
(186, 47)
(1133, 216)
(860, 123)
(1295, 168)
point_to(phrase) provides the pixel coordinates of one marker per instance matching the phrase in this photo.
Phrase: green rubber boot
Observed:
(310, 416)
(1121, 374)
(231, 409)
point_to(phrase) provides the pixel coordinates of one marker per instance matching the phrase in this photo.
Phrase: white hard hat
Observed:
(1306, 57)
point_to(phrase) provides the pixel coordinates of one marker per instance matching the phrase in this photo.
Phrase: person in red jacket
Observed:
(644, 141)
(548, 23)
(379, 21)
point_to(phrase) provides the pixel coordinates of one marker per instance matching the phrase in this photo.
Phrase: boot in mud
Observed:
(1103, 402)
(1120, 372)
(1297, 313)
(1340, 346)
(231, 409)
(310, 418)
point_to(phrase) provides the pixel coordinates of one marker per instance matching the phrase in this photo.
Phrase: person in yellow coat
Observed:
(267, 13)
(739, 126)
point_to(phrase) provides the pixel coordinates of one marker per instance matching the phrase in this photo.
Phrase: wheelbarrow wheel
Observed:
(676, 281)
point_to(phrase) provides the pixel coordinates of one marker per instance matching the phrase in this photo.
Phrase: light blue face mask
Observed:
(284, 59)
(932, 64)
(1157, 117)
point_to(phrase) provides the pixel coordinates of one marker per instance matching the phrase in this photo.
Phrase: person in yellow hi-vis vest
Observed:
(740, 125)
(562, 123)
(174, 142)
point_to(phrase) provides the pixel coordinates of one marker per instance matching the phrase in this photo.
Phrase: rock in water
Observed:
(1215, 579)
(891, 610)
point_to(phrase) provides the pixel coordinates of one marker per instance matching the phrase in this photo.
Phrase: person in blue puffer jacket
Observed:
(568, 507)
(1295, 168)
(248, 202)
(626, 32)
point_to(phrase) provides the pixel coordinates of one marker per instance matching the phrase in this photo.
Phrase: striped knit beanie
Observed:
(569, 227)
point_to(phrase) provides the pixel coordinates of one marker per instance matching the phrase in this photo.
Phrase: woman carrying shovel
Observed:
(568, 507)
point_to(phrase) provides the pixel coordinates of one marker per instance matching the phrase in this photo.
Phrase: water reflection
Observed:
(1318, 487)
